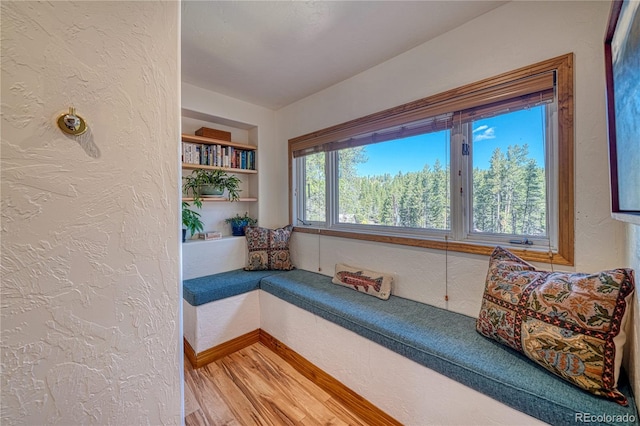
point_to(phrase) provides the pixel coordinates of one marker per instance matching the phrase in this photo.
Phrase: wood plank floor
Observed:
(254, 386)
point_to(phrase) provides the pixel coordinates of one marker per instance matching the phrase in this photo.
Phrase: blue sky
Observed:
(411, 154)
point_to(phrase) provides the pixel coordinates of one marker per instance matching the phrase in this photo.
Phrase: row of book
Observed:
(218, 155)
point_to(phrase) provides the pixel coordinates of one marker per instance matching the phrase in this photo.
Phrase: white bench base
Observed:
(217, 322)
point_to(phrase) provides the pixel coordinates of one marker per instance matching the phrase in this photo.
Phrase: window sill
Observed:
(466, 247)
(627, 217)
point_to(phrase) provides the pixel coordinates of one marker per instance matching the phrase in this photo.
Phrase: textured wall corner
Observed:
(632, 350)
(90, 233)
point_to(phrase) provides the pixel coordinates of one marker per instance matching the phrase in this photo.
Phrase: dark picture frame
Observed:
(622, 71)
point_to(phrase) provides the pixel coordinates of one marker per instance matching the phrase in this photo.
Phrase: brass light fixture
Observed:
(71, 123)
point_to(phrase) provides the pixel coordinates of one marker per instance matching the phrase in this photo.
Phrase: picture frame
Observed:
(622, 72)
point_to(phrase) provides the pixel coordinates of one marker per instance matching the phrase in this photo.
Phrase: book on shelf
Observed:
(218, 155)
(212, 235)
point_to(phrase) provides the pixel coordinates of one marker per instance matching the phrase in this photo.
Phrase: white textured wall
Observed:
(90, 227)
(633, 261)
(201, 258)
(511, 36)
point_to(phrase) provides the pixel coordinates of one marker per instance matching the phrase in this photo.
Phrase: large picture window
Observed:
(483, 165)
(398, 183)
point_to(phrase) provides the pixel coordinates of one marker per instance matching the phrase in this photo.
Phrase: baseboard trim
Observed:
(353, 401)
(189, 352)
(350, 399)
(203, 358)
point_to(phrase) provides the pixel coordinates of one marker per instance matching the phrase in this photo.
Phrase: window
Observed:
(464, 170)
(313, 184)
(401, 183)
(510, 176)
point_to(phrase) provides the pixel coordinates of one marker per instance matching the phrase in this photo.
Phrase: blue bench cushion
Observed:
(448, 343)
(198, 291)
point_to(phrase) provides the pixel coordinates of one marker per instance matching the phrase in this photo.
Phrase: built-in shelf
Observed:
(224, 154)
(221, 199)
(189, 166)
(210, 141)
(225, 238)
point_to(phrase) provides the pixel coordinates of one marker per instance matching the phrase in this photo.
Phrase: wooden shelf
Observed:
(225, 238)
(221, 199)
(190, 166)
(209, 141)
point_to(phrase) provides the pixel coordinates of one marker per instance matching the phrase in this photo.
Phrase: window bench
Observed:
(443, 341)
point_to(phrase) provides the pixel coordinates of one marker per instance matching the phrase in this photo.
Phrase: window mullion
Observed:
(466, 179)
(457, 188)
(331, 182)
(551, 178)
(300, 190)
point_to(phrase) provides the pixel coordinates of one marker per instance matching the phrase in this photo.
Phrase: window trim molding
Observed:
(563, 65)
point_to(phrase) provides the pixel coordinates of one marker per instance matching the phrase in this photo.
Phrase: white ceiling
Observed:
(273, 53)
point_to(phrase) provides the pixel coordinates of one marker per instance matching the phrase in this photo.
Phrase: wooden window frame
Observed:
(563, 67)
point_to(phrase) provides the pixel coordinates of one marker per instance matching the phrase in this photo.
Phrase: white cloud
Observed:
(486, 133)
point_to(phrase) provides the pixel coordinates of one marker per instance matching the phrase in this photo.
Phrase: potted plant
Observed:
(238, 223)
(191, 220)
(211, 183)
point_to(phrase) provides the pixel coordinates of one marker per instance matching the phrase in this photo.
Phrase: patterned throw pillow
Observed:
(570, 323)
(268, 248)
(370, 282)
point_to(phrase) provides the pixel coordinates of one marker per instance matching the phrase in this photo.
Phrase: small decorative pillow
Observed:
(268, 248)
(570, 323)
(370, 282)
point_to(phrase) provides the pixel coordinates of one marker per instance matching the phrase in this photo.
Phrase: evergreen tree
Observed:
(315, 187)
(509, 197)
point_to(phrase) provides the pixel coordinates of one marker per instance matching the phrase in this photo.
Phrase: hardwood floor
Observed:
(254, 386)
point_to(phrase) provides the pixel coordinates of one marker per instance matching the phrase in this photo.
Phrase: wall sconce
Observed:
(71, 123)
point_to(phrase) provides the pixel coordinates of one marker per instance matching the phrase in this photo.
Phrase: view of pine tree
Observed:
(509, 197)
(349, 187)
(414, 199)
(315, 187)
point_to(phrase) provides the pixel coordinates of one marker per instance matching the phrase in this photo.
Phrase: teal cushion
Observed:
(198, 291)
(447, 342)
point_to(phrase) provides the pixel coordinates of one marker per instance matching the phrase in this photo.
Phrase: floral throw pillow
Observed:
(570, 323)
(268, 248)
(370, 282)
